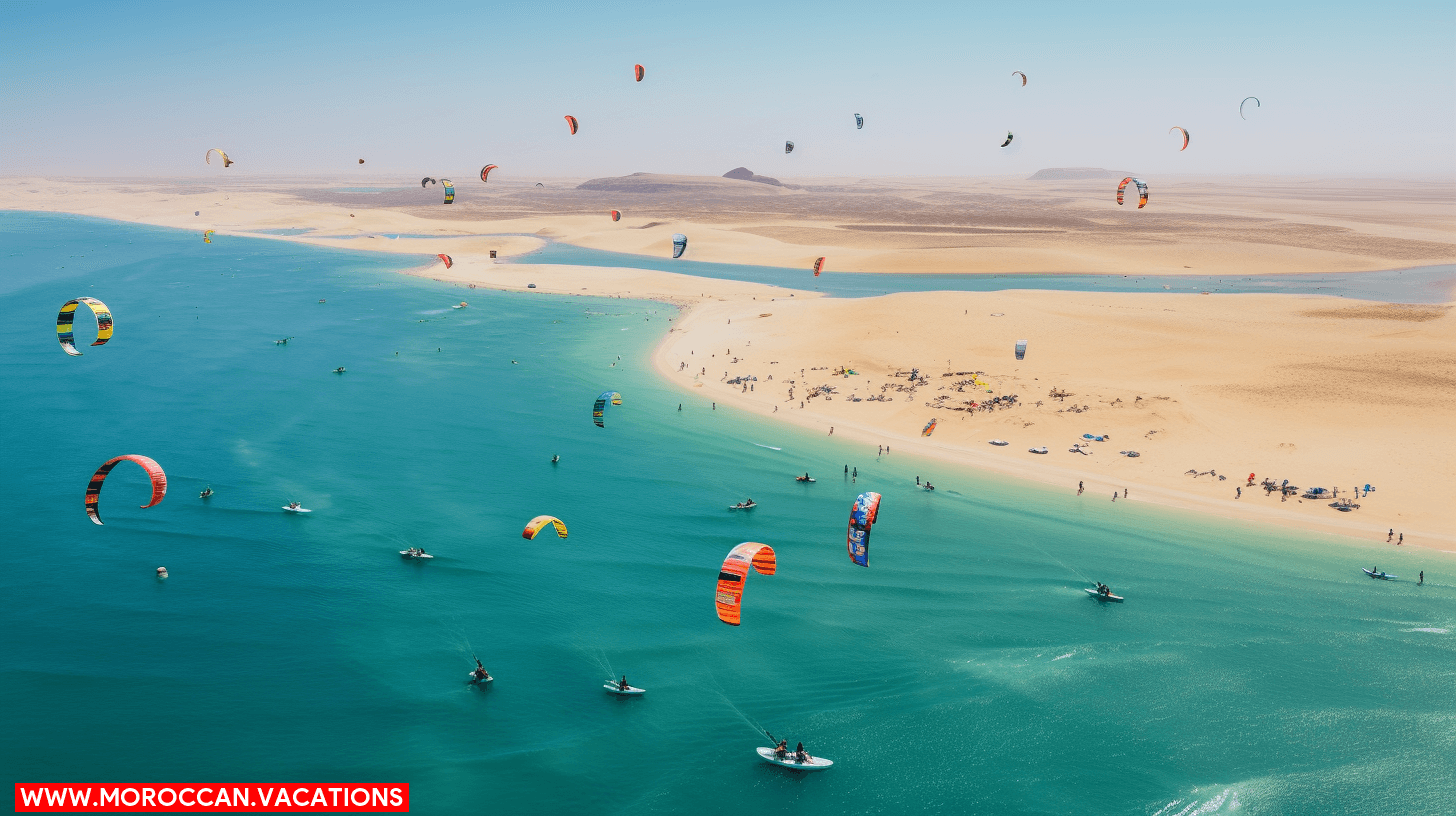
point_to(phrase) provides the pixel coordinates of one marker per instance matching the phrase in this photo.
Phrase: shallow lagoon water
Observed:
(1250, 671)
(1428, 284)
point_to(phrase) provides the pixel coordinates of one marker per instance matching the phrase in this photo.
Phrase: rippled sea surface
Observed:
(965, 671)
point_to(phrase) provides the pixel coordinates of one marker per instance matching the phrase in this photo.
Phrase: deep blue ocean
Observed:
(1250, 671)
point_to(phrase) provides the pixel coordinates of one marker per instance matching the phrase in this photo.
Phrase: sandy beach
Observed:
(1318, 391)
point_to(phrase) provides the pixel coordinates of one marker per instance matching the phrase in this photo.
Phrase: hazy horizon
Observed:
(1350, 90)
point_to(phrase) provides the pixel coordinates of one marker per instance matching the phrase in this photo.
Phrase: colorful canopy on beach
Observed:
(539, 523)
(735, 571)
(679, 244)
(67, 317)
(485, 171)
(599, 410)
(571, 123)
(862, 515)
(93, 490)
(1142, 188)
(1184, 132)
(929, 428)
(226, 162)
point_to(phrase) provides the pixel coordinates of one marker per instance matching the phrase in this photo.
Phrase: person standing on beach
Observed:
(831, 430)
(1124, 492)
(1238, 492)
(1390, 535)
(1114, 495)
(1401, 540)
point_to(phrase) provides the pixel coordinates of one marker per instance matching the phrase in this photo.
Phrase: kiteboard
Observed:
(474, 682)
(408, 554)
(742, 506)
(814, 763)
(770, 447)
(802, 479)
(1384, 576)
(1099, 596)
(630, 691)
(296, 510)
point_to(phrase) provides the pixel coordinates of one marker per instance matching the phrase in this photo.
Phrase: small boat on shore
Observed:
(1041, 449)
(813, 764)
(1000, 443)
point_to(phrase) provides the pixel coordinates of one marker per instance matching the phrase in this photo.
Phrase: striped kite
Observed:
(735, 572)
(929, 428)
(539, 523)
(68, 315)
(862, 515)
(207, 236)
(226, 162)
(571, 123)
(154, 470)
(599, 410)
(818, 265)
(616, 215)
(449, 190)
(1142, 188)
(485, 171)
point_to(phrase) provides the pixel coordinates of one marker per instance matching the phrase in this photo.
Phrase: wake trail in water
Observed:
(1076, 572)
(757, 729)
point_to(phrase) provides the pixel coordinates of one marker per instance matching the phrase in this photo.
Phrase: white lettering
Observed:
(167, 791)
(319, 798)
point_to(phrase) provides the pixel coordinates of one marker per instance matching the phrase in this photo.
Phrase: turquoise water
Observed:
(1427, 284)
(965, 671)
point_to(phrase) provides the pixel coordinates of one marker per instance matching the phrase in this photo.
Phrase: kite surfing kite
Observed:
(426, 180)
(1009, 137)
(599, 410)
(616, 215)
(1183, 131)
(639, 72)
(818, 265)
(571, 123)
(735, 572)
(858, 122)
(929, 428)
(207, 236)
(68, 315)
(1245, 102)
(485, 171)
(449, 190)
(862, 515)
(679, 244)
(539, 523)
(1142, 188)
(1023, 77)
(788, 147)
(154, 470)
(446, 258)
(226, 162)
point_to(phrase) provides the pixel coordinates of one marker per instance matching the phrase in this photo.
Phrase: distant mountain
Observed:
(744, 174)
(1076, 173)
(662, 183)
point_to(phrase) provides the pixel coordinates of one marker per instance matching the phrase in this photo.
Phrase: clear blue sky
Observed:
(422, 88)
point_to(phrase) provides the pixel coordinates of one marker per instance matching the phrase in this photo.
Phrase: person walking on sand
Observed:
(1238, 492)
(831, 430)
(1114, 495)
(1124, 492)
(1400, 540)
(1390, 535)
